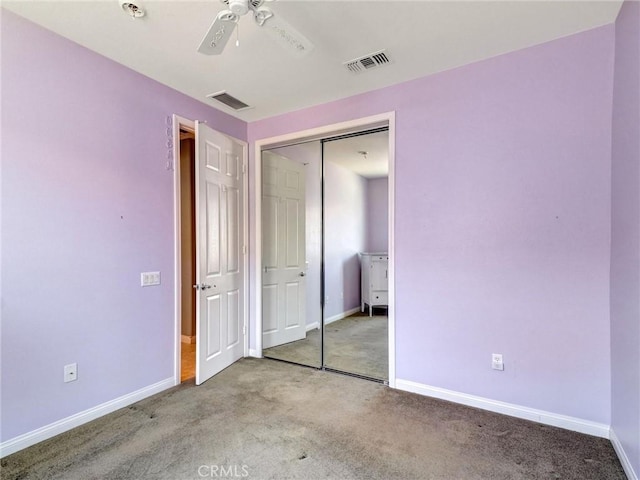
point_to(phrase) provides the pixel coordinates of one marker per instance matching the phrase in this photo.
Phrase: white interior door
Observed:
(219, 252)
(283, 250)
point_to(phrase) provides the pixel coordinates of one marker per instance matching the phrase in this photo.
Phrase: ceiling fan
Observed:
(225, 22)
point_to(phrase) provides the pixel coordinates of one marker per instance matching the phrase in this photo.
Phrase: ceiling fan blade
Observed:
(219, 33)
(286, 35)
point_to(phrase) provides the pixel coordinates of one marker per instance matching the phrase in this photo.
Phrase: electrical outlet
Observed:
(148, 279)
(496, 361)
(70, 372)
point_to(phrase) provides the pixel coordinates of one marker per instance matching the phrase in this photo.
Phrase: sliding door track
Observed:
(331, 370)
(356, 375)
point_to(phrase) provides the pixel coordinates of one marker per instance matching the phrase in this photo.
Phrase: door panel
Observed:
(233, 166)
(292, 304)
(292, 223)
(283, 244)
(213, 229)
(269, 308)
(212, 152)
(292, 181)
(219, 253)
(233, 310)
(270, 232)
(214, 315)
(233, 230)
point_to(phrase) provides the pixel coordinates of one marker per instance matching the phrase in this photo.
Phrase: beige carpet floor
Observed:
(357, 344)
(261, 419)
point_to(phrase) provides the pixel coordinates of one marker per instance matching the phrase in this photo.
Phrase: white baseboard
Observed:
(540, 416)
(342, 315)
(31, 438)
(313, 326)
(254, 353)
(188, 339)
(622, 455)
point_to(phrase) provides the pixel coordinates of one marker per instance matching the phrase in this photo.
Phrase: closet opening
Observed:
(325, 252)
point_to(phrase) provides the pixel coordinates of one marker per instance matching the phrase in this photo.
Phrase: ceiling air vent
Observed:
(229, 100)
(373, 60)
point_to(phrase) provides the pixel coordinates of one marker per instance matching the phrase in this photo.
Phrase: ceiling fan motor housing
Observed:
(239, 7)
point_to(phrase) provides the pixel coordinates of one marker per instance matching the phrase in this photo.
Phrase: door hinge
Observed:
(244, 168)
(244, 249)
(244, 329)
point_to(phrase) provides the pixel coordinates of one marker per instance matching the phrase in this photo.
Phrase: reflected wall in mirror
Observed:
(291, 253)
(356, 203)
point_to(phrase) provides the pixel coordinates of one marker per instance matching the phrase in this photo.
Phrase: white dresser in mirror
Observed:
(374, 280)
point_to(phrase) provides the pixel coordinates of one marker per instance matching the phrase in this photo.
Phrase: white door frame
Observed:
(388, 118)
(180, 122)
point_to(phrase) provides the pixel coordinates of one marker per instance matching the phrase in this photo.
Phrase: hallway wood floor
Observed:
(187, 361)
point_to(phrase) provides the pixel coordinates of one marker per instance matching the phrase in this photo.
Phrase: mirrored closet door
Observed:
(325, 253)
(356, 235)
(291, 253)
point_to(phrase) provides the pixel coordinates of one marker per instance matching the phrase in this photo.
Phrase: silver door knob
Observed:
(302, 274)
(201, 286)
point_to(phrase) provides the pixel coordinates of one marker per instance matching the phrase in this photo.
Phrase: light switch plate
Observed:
(148, 279)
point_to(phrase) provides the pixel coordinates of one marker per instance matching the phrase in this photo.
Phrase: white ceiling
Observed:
(422, 37)
(345, 152)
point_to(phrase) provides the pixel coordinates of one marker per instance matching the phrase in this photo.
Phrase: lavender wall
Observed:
(345, 236)
(502, 222)
(625, 236)
(377, 215)
(87, 204)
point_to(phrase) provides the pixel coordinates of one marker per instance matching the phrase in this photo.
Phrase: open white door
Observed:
(283, 250)
(219, 252)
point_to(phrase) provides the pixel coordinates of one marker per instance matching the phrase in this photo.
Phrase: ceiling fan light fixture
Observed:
(220, 30)
(261, 15)
(289, 37)
(228, 16)
(239, 7)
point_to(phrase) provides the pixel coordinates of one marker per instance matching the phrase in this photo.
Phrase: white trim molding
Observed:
(313, 326)
(535, 415)
(622, 455)
(31, 438)
(254, 353)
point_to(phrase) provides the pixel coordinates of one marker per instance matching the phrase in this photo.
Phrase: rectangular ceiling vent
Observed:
(367, 62)
(229, 100)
